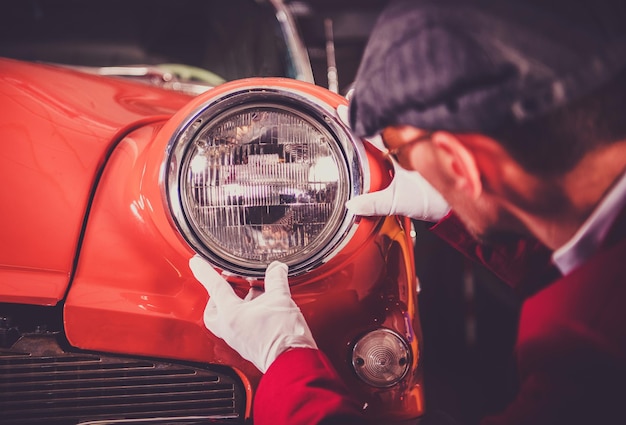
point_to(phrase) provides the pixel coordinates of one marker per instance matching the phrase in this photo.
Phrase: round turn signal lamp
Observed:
(381, 358)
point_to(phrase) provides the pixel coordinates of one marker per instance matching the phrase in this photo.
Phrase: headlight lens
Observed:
(254, 179)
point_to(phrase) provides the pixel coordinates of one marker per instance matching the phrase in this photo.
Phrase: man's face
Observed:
(483, 215)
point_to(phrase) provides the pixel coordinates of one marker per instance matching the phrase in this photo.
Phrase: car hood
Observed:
(57, 129)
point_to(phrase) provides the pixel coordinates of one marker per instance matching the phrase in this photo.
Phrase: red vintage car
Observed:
(125, 154)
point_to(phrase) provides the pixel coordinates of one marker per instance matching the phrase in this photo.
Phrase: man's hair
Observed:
(554, 143)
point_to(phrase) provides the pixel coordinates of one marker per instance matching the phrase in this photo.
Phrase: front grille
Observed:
(66, 388)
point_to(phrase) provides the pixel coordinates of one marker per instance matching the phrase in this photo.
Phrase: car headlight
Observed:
(263, 174)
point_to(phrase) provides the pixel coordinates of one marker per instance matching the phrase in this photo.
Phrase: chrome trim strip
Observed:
(297, 49)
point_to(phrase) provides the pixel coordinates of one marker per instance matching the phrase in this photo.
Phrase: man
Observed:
(513, 111)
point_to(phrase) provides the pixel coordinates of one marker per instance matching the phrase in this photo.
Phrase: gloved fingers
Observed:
(211, 317)
(409, 194)
(219, 290)
(434, 206)
(371, 204)
(276, 278)
(343, 114)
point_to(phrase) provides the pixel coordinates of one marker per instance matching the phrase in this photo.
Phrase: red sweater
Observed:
(301, 387)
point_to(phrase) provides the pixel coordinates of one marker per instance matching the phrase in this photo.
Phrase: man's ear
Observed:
(458, 163)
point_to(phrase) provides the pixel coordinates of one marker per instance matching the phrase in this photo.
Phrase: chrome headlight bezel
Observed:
(308, 107)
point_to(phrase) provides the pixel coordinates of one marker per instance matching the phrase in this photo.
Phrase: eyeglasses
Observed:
(396, 153)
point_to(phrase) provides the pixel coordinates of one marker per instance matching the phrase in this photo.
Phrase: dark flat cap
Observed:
(470, 65)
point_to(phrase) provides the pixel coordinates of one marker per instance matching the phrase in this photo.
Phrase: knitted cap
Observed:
(470, 65)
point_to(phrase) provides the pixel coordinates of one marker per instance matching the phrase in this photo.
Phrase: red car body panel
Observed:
(56, 139)
(90, 229)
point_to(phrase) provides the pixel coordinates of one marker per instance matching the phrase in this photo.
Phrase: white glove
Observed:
(409, 194)
(259, 327)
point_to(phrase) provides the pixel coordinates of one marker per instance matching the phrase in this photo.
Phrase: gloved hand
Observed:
(409, 194)
(259, 327)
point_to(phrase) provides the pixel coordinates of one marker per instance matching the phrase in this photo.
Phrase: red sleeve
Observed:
(302, 387)
(524, 263)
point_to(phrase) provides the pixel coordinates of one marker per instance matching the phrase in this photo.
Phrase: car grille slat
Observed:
(93, 371)
(97, 396)
(85, 389)
(72, 388)
(104, 381)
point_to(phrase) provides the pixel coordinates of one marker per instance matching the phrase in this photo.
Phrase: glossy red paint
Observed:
(57, 127)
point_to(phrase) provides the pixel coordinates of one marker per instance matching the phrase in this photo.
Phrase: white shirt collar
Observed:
(592, 233)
